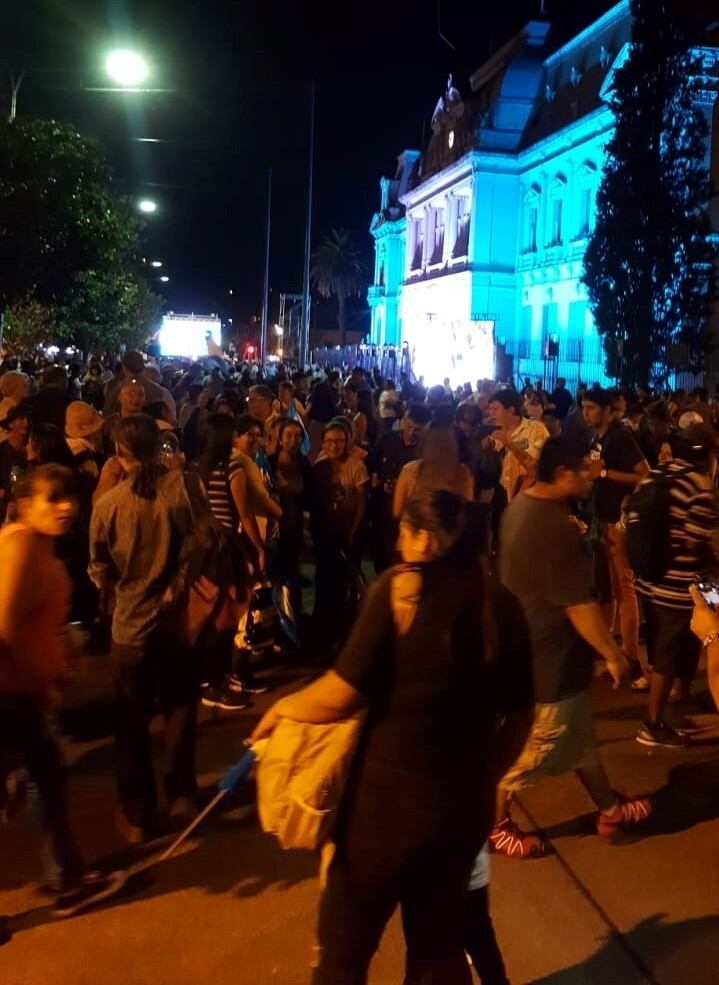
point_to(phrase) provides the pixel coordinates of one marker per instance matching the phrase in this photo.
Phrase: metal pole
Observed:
(266, 295)
(306, 298)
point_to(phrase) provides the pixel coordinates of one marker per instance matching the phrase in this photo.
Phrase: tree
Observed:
(109, 308)
(67, 241)
(27, 325)
(338, 271)
(649, 264)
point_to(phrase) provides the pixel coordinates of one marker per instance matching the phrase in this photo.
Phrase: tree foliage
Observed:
(67, 241)
(648, 266)
(339, 271)
(28, 324)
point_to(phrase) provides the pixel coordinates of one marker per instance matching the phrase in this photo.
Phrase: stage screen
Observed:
(188, 336)
(460, 350)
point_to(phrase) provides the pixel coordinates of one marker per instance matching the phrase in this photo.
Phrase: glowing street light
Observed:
(279, 330)
(147, 206)
(164, 279)
(127, 68)
(156, 263)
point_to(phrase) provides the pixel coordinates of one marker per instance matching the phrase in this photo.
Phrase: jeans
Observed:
(24, 731)
(159, 675)
(624, 595)
(480, 941)
(405, 854)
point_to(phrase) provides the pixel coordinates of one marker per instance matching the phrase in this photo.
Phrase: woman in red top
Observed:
(34, 601)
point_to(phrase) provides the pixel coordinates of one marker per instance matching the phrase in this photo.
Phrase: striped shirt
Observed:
(219, 494)
(692, 524)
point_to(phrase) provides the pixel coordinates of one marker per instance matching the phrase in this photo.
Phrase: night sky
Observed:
(240, 75)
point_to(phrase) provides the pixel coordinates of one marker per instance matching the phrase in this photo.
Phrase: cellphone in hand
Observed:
(709, 591)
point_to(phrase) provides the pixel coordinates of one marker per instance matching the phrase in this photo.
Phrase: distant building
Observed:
(480, 239)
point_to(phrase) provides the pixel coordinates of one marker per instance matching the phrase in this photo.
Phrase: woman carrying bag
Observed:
(434, 672)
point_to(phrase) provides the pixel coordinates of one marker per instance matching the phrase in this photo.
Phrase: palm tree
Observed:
(338, 271)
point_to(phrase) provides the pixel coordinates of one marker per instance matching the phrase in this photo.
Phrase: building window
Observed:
(585, 211)
(557, 215)
(417, 256)
(530, 245)
(577, 318)
(549, 324)
(461, 243)
(380, 278)
(438, 236)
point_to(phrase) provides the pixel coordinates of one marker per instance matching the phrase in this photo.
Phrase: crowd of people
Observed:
(509, 530)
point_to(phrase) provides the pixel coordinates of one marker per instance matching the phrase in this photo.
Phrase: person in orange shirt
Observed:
(34, 602)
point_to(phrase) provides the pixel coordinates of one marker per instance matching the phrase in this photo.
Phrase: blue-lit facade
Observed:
(485, 231)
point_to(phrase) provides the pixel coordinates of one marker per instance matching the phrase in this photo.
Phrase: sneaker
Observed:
(250, 687)
(640, 684)
(94, 888)
(507, 839)
(225, 698)
(627, 813)
(661, 735)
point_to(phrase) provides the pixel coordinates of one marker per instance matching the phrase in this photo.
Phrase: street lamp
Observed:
(147, 206)
(156, 263)
(164, 279)
(127, 68)
(279, 330)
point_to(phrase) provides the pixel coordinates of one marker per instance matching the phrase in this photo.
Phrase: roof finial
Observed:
(542, 8)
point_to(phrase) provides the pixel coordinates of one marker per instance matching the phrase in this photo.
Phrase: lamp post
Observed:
(127, 69)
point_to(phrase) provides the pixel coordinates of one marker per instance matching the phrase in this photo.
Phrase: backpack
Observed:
(301, 778)
(210, 586)
(647, 526)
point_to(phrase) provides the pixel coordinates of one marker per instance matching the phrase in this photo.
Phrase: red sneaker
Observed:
(507, 839)
(627, 813)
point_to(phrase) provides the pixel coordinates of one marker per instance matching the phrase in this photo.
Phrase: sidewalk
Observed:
(238, 910)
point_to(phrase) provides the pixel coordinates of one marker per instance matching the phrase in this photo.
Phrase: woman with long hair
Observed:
(225, 482)
(291, 476)
(439, 466)
(138, 525)
(34, 605)
(425, 661)
(338, 503)
(48, 445)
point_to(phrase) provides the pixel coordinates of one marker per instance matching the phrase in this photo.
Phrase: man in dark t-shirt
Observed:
(617, 466)
(544, 563)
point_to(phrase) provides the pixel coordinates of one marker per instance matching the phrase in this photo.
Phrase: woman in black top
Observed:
(291, 476)
(437, 675)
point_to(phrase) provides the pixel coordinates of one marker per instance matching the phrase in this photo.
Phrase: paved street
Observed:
(236, 909)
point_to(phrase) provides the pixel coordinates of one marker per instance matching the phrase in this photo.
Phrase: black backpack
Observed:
(648, 528)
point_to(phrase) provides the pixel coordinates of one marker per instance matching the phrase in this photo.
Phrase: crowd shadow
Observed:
(671, 953)
(229, 856)
(689, 797)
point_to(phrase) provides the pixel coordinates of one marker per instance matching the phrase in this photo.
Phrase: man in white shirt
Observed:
(519, 439)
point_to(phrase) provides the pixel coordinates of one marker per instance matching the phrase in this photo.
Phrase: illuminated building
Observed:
(481, 237)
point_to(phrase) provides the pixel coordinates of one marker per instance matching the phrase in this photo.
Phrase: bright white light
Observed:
(443, 340)
(126, 67)
(182, 335)
(164, 278)
(279, 329)
(147, 205)
(156, 263)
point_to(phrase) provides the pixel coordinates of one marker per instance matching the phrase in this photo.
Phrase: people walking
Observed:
(544, 562)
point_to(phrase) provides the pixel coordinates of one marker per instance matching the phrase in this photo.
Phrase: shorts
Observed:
(672, 649)
(562, 739)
